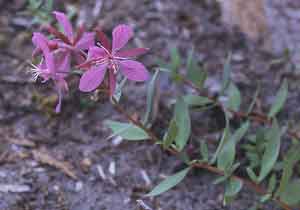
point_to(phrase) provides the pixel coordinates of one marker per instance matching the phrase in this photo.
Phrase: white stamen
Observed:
(36, 71)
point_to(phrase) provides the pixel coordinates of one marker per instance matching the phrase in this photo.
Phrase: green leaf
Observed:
(280, 99)
(234, 95)
(271, 152)
(252, 175)
(151, 93)
(226, 135)
(226, 74)
(118, 92)
(175, 60)
(220, 180)
(227, 153)
(291, 193)
(194, 100)
(272, 184)
(265, 198)
(194, 72)
(127, 131)
(183, 122)
(170, 135)
(291, 158)
(254, 100)
(169, 183)
(204, 151)
(233, 187)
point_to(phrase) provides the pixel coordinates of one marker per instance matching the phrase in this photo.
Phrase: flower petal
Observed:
(121, 35)
(40, 41)
(65, 23)
(96, 52)
(134, 70)
(92, 78)
(104, 41)
(63, 62)
(87, 40)
(132, 52)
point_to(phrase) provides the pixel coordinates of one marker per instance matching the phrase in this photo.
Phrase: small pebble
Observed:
(112, 168)
(78, 186)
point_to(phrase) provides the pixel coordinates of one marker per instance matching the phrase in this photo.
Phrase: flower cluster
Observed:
(92, 52)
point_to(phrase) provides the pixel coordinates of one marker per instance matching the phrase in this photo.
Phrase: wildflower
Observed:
(73, 44)
(106, 57)
(52, 66)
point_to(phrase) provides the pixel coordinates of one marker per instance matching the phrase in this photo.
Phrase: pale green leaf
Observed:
(227, 153)
(271, 152)
(291, 158)
(204, 151)
(280, 99)
(194, 72)
(226, 74)
(169, 183)
(170, 135)
(234, 95)
(291, 193)
(127, 131)
(233, 187)
(151, 93)
(183, 122)
(195, 100)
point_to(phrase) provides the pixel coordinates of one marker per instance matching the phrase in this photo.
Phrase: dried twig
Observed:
(45, 158)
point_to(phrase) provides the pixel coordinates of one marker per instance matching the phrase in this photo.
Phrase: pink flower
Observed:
(52, 66)
(112, 58)
(70, 43)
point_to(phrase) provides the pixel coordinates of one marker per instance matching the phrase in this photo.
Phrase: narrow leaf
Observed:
(227, 153)
(194, 72)
(291, 193)
(170, 135)
(271, 153)
(234, 95)
(292, 157)
(233, 187)
(226, 74)
(183, 122)
(194, 100)
(151, 93)
(127, 131)
(169, 183)
(226, 135)
(280, 99)
(204, 151)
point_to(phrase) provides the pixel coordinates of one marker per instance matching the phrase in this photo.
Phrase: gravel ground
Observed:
(109, 175)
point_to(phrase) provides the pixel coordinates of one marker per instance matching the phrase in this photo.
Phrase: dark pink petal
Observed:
(40, 41)
(112, 82)
(132, 52)
(63, 62)
(103, 39)
(92, 78)
(79, 58)
(121, 35)
(57, 34)
(134, 70)
(96, 52)
(87, 40)
(65, 23)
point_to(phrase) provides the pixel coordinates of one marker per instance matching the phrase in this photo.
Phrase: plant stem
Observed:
(254, 116)
(258, 189)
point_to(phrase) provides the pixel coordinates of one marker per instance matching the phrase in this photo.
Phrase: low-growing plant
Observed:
(104, 67)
